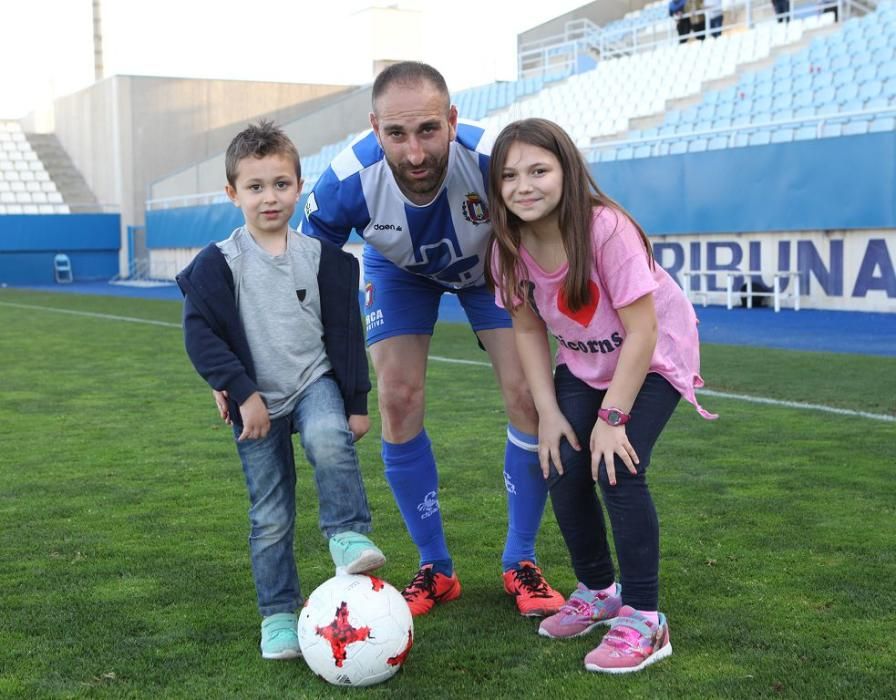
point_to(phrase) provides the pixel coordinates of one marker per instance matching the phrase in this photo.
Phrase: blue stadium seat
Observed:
(825, 95)
(802, 83)
(805, 133)
(827, 109)
(878, 42)
(840, 62)
(698, 145)
(844, 76)
(624, 152)
(887, 70)
(678, 147)
(803, 98)
(607, 155)
(742, 120)
(847, 93)
(724, 110)
(866, 73)
(703, 125)
(721, 122)
(717, 143)
(803, 112)
(852, 128)
(830, 129)
(889, 90)
(821, 80)
(711, 97)
(782, 101)
(854, 105)
(782, 87)
(761, 117)
(882, 124)
(706, 111)
(860, 59)
(667, 130)
(727, 96)
(672, 117)
(781, 115)
(684, 128)
(741, 138)
(763, 90)
(760, 137)
(884, 56)
(877, 103)
(643, 151)
(870, 90)
(836, 49)
(782, 135)
(763, 104)
(650, 133)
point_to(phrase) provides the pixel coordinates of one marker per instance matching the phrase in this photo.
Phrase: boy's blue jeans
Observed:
(269, 467)
(632, 515)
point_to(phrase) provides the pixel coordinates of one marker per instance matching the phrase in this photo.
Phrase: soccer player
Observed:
(415, 188)
(271, 321)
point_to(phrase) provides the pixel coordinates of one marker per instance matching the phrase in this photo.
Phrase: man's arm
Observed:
(334, 208)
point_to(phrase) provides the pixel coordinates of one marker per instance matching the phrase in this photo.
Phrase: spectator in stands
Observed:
(415, 189)
(569, 262)
(678, 9)
(782, 10)
(271, 321)
(698, 19)
(715, 16)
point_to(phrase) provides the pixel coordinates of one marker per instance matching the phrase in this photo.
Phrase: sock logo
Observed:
(509, 485)
(429, 506)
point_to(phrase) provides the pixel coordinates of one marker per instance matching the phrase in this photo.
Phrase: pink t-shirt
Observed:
(589, 340)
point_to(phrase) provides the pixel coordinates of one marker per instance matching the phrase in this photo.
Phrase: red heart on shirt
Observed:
(584, 315)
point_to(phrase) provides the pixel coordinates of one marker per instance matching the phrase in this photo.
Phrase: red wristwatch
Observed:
(613, 416)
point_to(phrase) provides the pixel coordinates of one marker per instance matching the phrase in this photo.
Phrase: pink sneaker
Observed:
(585, 610)
(632, 643)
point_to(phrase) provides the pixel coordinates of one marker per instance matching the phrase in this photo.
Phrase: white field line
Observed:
(436, 358)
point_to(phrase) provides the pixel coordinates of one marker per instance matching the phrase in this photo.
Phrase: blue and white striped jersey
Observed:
(444, 240)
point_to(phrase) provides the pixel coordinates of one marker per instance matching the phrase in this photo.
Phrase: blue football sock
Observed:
(412, 476)
(527, 492)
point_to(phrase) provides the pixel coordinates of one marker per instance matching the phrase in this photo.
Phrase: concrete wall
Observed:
(125, 132)
(315, 128)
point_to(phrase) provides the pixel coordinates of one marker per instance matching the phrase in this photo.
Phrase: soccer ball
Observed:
(355, 630)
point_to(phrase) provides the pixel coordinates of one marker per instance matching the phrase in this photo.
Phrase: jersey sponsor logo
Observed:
(374, 319)
(310, 205)
(368, 294)
(475, 210)
(429, 506)
(387, 227)
(300, 293)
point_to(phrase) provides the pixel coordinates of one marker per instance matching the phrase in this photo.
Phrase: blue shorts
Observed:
(398, 302)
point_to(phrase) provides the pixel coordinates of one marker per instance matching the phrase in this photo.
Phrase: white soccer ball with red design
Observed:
(355, 630)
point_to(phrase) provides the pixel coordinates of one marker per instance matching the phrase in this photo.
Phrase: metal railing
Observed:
(562, 56)
(819, 121)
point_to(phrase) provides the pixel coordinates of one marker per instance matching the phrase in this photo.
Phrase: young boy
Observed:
(272, 321)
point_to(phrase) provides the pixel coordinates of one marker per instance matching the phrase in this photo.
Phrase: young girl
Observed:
(568, 260)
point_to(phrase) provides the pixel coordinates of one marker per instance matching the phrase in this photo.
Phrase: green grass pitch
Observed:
(123, 560)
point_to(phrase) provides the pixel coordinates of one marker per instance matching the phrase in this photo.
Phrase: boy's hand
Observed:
(221, 403)
(359, 425)
(256, 420)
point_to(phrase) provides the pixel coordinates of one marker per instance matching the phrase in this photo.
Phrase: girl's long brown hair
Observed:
(579, 198)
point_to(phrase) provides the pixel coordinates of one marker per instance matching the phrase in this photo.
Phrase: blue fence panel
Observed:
(29, 242)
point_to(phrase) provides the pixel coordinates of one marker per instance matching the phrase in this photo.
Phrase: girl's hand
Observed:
(606, 442)
(551, 429)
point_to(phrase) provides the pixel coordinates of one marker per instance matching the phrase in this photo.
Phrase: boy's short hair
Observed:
(257, 141)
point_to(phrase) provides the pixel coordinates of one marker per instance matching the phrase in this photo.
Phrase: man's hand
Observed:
(256, 420)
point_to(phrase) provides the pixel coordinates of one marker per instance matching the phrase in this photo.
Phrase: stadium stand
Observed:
(841, 84)
(25, 185)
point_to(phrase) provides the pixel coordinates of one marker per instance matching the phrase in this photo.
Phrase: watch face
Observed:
(614, 417)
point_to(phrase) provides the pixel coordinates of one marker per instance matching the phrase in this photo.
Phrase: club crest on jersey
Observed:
(475, 210)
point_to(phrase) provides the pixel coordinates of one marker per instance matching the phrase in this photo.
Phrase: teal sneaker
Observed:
(353, 553)
(280, 637)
